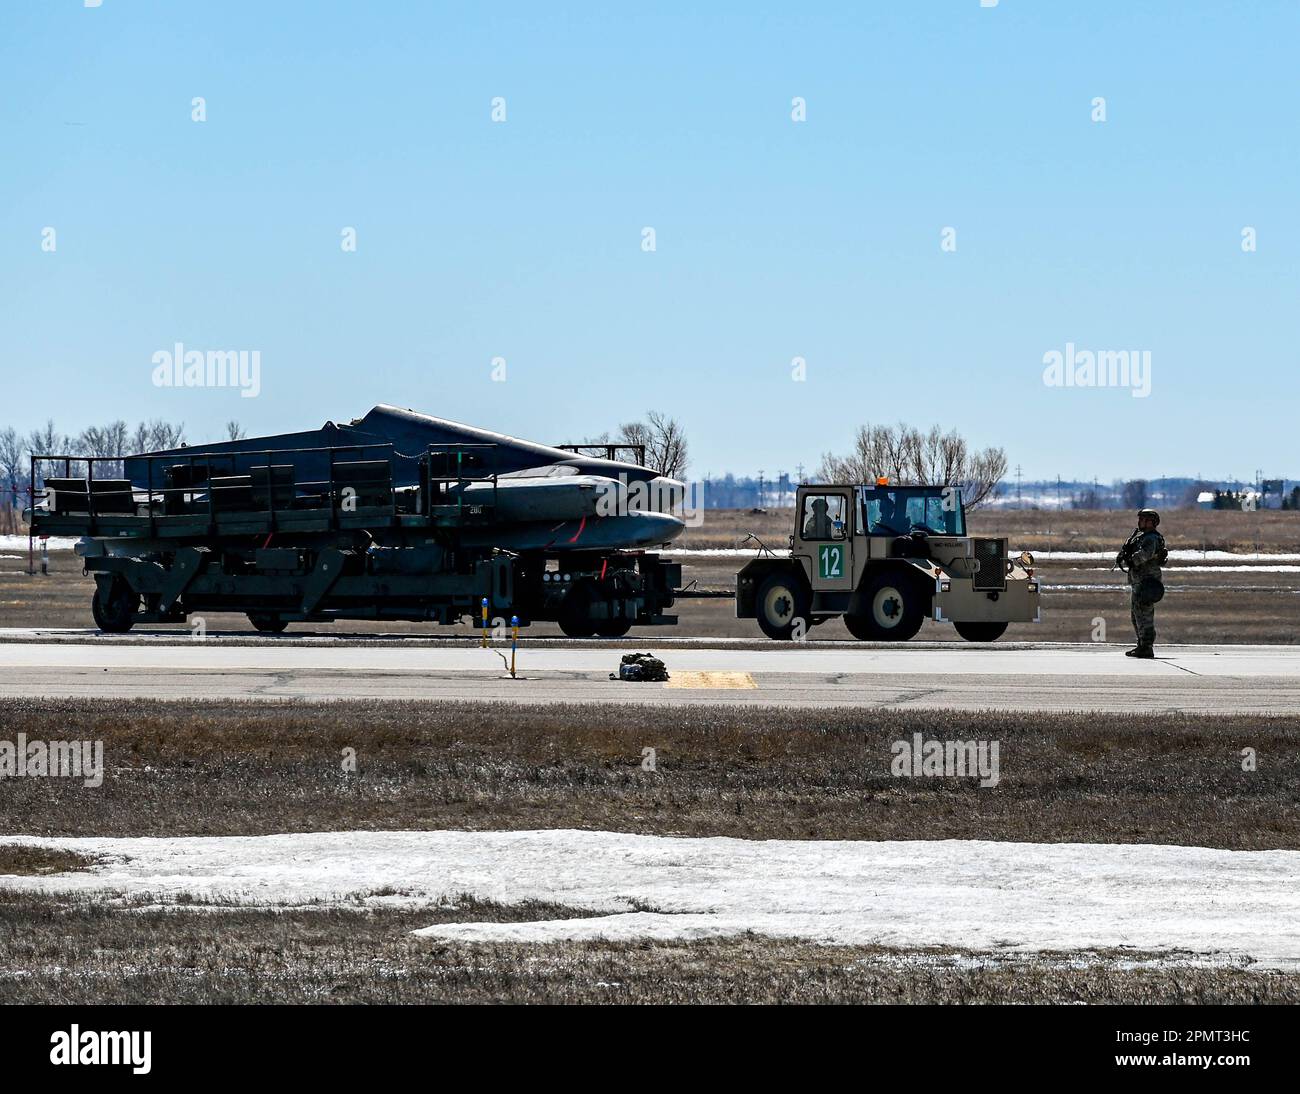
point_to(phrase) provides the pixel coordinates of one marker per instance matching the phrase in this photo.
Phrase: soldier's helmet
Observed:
(1149, 513)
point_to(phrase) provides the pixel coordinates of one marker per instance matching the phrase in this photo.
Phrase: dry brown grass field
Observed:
(757, 773)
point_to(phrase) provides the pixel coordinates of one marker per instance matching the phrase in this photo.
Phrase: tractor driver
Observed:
(885, 522)
(818, 526)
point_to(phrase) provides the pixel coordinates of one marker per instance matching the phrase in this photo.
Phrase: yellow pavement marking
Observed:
(710, 680)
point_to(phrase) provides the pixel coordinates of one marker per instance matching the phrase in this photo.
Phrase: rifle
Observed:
(1126, 552)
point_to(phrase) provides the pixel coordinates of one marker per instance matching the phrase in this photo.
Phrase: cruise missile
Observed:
(542, 498)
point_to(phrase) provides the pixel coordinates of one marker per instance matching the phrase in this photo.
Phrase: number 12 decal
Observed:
(831, 561)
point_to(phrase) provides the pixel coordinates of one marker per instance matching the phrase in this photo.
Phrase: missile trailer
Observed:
(360, 529)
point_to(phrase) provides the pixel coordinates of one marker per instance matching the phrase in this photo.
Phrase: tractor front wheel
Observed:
(782, 601)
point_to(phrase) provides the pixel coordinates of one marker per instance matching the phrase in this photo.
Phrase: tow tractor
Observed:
(886, 557)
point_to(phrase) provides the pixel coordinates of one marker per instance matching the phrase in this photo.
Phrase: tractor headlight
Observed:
(1033, 586)
(945, 586)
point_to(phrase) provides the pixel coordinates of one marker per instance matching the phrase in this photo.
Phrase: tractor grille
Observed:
(992, 573)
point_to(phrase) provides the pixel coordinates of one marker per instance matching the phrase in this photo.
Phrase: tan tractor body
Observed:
(886, 558)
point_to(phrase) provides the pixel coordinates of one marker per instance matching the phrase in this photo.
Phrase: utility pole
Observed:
(1018, 502)
(760, 488)
(798, 470)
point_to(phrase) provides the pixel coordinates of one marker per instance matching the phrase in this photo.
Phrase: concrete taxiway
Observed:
(1184, 679)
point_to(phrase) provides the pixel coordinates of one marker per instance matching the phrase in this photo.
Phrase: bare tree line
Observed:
(110, 442)
(664, 440)
(908, 457)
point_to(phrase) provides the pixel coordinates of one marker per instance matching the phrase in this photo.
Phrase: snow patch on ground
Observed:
(967, 894)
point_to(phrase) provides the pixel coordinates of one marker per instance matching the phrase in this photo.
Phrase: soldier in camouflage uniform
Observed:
(1141, 558)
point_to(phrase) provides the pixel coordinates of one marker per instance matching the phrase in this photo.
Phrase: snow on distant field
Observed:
(1166, 570)
(19, 543)
(1232, 569)
(725, 552)
(976, 895)
(1180, 555)
(1243, 569)
(66, 543)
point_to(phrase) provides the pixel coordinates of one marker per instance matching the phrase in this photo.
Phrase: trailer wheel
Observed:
(267, 623)
(575, 612)
(613, 628)
(114, 609)
(981, 632)
(891, 610)
(782, 599)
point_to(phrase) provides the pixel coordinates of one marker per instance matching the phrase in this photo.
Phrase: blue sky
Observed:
(775, 239)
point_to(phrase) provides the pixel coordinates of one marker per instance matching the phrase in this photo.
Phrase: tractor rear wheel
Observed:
(890, 610)
(613, 628)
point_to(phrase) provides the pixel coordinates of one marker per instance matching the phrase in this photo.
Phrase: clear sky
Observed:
(775, 239)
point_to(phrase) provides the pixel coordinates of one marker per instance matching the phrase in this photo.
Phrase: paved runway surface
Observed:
(1190, 679)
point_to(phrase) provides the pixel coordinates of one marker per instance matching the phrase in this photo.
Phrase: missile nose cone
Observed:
(651, 528)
